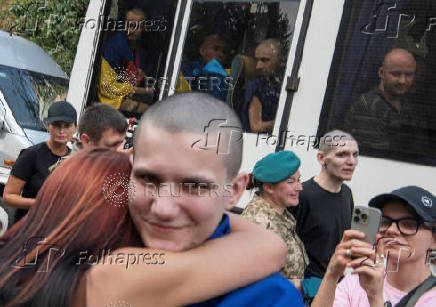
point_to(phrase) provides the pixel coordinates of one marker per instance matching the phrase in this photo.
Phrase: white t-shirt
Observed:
(349, 293)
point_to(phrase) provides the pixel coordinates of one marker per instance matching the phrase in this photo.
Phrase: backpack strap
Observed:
(413, 296)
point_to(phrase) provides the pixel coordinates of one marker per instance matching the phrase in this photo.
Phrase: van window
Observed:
(135, 40)
(382, 83)
(29, 95)
(237, 51)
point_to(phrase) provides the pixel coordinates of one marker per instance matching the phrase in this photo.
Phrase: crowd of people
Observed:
(169, 199)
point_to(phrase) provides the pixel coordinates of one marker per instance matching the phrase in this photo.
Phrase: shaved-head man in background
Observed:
(262, 94)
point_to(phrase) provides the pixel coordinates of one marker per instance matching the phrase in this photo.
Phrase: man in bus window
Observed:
(125, 65)
(206, 74)
(381, 118)
(262, 94)
(182, 189)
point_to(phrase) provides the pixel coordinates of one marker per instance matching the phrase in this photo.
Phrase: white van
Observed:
(30, 81)
(332, 55)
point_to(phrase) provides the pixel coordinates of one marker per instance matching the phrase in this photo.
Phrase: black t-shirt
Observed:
(322, 217)
(32, 166)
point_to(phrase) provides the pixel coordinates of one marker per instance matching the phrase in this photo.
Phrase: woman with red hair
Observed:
(80, 229)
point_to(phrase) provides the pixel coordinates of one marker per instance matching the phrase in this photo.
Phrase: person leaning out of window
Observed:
(32, 166)
(277, 178)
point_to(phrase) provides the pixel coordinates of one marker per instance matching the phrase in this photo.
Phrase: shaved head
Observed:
(216, 125)
(268, 57)
(397, 73)
(273, 44)
(400, 56)
(332, 139)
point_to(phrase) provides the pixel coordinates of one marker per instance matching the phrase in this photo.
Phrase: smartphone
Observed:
(367, 220)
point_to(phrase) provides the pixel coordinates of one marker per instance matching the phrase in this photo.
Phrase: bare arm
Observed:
(12, 194)
(143, 90)
(218, 266)
(255, 117)
(338, 262)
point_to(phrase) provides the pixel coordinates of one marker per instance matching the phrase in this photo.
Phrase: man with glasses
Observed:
(406, 238)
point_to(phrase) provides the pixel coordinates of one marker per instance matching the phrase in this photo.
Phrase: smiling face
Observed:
(285, 193)
(340, 161)
(397, 72)
(61, 132)
(180, 192)
(411, 248)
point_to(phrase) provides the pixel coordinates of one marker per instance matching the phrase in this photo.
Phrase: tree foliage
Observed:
(54, 25)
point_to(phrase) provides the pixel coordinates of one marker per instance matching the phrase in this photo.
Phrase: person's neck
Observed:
(395, 102)
(272, 203)
(133, 44)
(407, 276)
(58, 149)
(328, 182)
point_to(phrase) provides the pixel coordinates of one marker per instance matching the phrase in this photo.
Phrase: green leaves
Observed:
(52, 24)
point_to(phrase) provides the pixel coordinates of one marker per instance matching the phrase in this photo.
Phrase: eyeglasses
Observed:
(407, 226)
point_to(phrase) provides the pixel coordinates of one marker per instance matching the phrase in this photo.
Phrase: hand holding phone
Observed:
(367, 220)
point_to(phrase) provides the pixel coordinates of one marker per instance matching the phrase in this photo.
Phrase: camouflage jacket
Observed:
(260, 212)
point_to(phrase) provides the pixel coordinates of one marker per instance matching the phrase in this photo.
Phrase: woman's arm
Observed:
(338, 262)
(12, 194)
(216, 267)
(255, 117)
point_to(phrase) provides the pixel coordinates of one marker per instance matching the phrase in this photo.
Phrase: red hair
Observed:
(76, 209)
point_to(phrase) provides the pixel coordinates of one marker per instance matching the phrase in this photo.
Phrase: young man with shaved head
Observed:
(326, 203)
(380, 117)
(187, 154)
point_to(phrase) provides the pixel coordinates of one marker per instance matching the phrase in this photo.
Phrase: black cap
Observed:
(61, 111)
(419, 199)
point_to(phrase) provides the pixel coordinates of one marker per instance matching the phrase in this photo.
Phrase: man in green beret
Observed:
(277, 178)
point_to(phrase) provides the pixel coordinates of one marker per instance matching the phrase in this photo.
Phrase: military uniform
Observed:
(260, 212)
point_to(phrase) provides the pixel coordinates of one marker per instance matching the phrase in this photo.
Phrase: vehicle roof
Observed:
(21, 53)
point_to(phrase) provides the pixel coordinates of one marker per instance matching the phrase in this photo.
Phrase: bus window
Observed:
(381, 86)
(237, 51)
(135, 42)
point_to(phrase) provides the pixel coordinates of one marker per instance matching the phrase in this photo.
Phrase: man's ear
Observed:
(85, 140)
(202, 51)
(320, 158)
(238, 187)
(380, 72)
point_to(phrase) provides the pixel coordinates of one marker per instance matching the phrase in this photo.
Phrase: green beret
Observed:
(276, 166)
